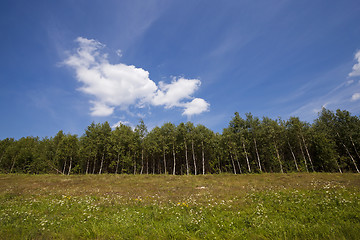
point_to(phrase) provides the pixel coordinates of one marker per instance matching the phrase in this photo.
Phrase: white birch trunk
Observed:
(93, 172)
(238, 162)
(164, 162)
(352, 142)
(153, 163)
(203, 156)
(117, 163)
(307, 152)
(102, 162)
(142, 161)
(174, 169)
(257, 155)
(278, 157)
(13, 164)
(70, 166)
(64, 167)
(193, 153)
(134, 157)
(338, 166)
(87, 166)
(186, 158)
(232, 161)
(302, 152)
(297, 168)
(353, 160)
(347, 150)
(247, 159)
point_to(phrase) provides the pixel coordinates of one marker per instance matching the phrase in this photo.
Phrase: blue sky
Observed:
(64, 64)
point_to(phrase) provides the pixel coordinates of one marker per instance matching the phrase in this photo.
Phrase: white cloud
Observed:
(356, 67)
(349, 82)
(119, 53)
(100, 109)
(171, 94)
(196, 106)
(120, 85)
(342, 96)
(355, 96)
(121, 122)
(86, 53)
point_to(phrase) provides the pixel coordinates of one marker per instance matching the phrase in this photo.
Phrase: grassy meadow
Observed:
(254, 206)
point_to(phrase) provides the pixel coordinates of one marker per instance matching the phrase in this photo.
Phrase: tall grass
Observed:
(265, 206)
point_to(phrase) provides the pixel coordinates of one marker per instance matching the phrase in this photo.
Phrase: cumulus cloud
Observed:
(100, 109)
(196, 106)
(171, 95)
(356, 67)
(355, 96)
(120, 85)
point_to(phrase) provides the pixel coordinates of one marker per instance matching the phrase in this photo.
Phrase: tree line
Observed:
(248, 145)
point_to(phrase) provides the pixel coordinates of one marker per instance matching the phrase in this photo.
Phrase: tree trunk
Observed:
(164, 162)
(338, 166)
(193, 153)
(94, 164)
(122, 163)
(347, 150)
(307, 152)
(238, 162)
(353, 160)
(153, 159)
(70, 166)
(117, 163)
(87, 166)
(203, 156)
(142, 161)
(247, 159)
(297, 168)
(278, 157)
(57, 170)
(220, 167)
(134, 157)
(354, 147)
(64, 167)
(147, 163)
(174, 169)
(13, 164)
(302, 152)
(186, 158)
(232, 161)
(257, 155)
(102, 162)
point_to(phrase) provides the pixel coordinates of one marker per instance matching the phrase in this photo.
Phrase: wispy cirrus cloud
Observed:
(341, 96)
(118, 86)
(344, 96)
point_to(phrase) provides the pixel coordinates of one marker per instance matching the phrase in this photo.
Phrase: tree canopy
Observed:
(246, 145)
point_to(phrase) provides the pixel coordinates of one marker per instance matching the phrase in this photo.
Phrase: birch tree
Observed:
(253, 128)
(141, 131)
